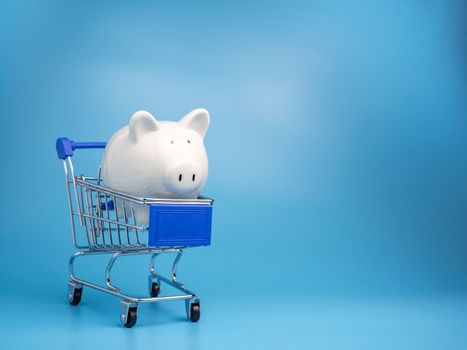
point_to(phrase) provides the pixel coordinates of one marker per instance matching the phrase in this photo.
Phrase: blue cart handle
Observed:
(65, 146)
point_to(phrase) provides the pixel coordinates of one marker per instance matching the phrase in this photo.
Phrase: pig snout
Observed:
(183, 176)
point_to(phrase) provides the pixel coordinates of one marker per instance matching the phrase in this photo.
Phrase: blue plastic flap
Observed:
(179, 225)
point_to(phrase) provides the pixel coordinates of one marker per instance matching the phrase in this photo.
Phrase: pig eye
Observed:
(188, 141)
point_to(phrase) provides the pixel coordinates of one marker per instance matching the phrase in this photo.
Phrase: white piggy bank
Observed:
(158, 159)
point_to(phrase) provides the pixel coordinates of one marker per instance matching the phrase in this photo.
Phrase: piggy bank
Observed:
(158, 159)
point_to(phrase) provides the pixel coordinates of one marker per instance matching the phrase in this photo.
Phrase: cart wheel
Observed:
(155, 289)
(131, 317)
(195, 312)
(75, 297)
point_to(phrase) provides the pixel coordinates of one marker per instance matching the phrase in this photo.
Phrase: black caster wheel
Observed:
(155, 289)
(195, 312)
(75, 296)
(131, 317)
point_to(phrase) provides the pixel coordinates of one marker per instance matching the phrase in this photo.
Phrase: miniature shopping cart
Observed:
(103, 221)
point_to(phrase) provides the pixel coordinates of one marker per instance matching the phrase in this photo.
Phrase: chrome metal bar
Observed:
(88, 209)
(70, 205)
(126, 223)
(111, 289)
(99, 214)
(173, 281)
(95, 222)
(177, 285)
(73, 178)
(107, 272)
(112, 221)
(174, 266)
(106, 211)
(131, 298)
(134, 223)
(116, 219)
(152, 263)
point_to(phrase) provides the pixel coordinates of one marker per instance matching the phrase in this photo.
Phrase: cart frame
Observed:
(108, 220)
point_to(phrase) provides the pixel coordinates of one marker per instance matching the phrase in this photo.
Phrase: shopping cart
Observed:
(108, 225)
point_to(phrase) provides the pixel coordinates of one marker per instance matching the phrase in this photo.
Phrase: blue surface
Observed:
(179, 225)
(339, 128)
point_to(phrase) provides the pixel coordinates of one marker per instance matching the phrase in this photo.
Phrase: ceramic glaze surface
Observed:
(158, 159)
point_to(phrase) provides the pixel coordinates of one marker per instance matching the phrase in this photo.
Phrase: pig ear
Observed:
(141, 123)
(197, 120)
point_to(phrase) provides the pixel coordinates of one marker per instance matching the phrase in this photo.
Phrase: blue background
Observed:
(337, 160)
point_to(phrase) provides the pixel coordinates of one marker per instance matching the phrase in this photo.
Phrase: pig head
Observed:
(158, 159)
